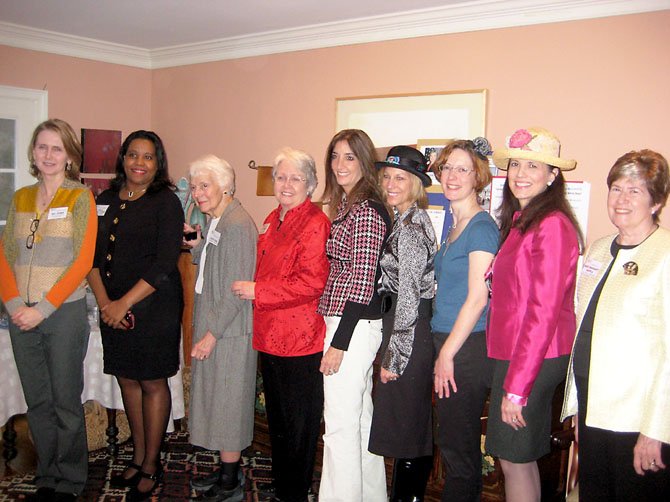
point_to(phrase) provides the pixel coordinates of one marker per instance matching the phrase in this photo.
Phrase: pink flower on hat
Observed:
(520, 138)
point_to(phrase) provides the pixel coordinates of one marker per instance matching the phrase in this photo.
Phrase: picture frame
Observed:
(431, 148)
(399, 119)
(101, 148)
(96, 182)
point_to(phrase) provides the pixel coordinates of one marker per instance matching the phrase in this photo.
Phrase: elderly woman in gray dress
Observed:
(401, 421)
(223, 368)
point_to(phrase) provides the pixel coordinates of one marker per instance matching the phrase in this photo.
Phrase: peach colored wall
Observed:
(87, 94)
(601, 85)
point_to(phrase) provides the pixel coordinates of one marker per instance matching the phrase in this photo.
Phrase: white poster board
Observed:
(578, 194)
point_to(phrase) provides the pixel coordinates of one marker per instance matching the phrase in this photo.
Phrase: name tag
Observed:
(265, 228)
(591, 267)
(102, 209)
(214, 237)
(57, 213)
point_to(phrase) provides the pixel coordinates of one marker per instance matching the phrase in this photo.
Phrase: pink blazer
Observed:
(531, 314)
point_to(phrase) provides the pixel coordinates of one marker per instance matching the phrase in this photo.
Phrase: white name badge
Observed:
(591, 267)
(214, 237)
(102, 209)
(57, 213)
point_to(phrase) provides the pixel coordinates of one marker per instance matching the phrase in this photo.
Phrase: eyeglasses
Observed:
(458, 170)
(30, 240)
(291, 180)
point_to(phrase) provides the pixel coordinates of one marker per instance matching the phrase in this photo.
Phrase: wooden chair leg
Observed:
(112, 433)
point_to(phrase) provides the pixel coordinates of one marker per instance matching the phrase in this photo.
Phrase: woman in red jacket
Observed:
(291, 273)
(531, 315)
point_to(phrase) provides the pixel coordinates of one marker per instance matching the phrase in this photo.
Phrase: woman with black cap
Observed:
(401, 421)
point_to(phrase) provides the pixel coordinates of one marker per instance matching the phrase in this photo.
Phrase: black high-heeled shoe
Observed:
(135, 495)
(119, 481)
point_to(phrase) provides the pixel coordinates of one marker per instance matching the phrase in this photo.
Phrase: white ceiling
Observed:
(159, 33)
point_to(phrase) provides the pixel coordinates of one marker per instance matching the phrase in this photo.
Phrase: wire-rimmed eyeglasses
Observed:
(30, 240)
(458, 170)
(290, 180)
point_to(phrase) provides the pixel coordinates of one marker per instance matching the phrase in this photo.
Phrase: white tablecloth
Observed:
(97, 385)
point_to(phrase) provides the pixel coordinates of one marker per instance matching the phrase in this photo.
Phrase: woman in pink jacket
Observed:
(531, 316)
(291, 273)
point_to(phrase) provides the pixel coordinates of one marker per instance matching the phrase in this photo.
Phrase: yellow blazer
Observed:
(629, 375)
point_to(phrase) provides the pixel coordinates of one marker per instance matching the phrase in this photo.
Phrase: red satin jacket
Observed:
(291, 273)
(531, 314)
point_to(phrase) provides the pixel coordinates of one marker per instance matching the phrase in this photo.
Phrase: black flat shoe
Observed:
(204, 483)
(64, 497)
(135, 495)
(119, 481)
(43, 494)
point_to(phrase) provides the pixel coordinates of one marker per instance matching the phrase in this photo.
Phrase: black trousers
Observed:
(294, 404)
(459, 426)
(606, 470)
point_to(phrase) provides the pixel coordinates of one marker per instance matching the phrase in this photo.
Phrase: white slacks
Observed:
(350, 472)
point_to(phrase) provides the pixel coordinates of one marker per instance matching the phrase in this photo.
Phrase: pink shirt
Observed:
(531, 314)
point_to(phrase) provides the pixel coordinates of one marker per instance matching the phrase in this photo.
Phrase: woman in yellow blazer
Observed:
(619, 375)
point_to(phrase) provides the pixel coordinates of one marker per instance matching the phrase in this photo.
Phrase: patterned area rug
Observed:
(181, 462)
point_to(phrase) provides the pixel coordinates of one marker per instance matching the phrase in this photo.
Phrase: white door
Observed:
(20, 112)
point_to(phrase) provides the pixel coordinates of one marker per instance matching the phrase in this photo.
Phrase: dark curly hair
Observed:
(162, 178)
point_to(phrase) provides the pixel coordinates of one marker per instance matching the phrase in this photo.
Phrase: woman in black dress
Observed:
(137, 286)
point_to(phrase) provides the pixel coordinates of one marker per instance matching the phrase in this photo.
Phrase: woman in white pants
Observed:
(352, 311)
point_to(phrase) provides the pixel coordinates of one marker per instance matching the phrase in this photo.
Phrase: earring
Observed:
(549, 183)
(68, 166)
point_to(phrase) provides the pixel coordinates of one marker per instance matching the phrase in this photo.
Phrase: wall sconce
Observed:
(264, 185)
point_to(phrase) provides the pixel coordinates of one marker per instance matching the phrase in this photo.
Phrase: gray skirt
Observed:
(533, 441)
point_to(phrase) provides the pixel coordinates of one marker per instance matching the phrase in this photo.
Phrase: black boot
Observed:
(410, 476)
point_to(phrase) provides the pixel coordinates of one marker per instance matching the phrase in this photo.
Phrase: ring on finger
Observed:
(514, 420)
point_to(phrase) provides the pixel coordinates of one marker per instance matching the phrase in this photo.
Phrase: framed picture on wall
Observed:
(400, 119)
(96, 182)
(431, 148)
(101, 147)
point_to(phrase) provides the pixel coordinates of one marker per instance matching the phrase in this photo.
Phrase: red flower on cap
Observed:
(520, 138)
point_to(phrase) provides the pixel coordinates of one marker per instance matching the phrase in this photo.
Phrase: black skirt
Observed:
(151, 350)
(402, 417)
(533, 441)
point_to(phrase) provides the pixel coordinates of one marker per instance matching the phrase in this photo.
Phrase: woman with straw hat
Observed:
(531, 315)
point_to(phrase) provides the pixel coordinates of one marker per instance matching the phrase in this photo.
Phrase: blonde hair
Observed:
(70, 143)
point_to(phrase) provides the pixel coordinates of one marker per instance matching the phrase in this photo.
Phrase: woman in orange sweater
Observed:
(46, 251)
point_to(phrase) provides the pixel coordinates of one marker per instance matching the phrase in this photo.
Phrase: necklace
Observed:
(44, 200)
(132, 192)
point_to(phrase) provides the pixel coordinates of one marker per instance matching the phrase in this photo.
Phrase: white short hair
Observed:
(221, 171)
(303, 161)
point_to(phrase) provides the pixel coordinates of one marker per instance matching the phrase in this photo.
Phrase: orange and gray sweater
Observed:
(53, 270)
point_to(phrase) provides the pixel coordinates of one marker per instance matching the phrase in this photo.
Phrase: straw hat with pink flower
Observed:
(534, 143)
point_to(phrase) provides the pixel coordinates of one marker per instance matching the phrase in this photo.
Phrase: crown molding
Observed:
(471, 16)
(25, 37)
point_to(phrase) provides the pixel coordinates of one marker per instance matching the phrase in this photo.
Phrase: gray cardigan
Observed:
(219, 311)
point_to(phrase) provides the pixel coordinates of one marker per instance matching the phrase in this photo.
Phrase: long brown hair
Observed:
(539, 207)
(367, 187)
